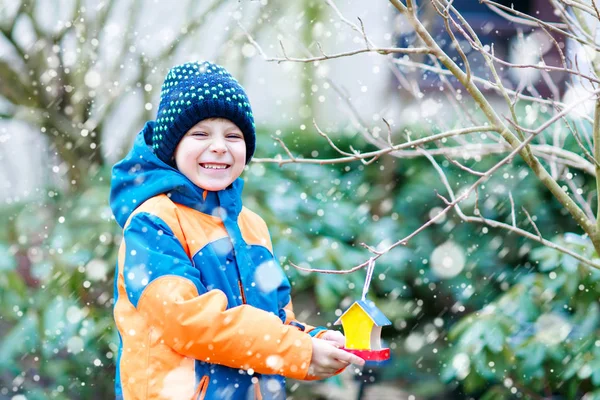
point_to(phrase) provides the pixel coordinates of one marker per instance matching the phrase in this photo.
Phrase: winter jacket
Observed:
(202, 306)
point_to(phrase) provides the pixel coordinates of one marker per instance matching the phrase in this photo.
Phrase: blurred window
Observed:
(511, 42)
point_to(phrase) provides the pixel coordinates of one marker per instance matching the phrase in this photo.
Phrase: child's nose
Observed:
(218, 146)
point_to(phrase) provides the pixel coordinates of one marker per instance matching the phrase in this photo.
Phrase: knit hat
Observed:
(193, 92)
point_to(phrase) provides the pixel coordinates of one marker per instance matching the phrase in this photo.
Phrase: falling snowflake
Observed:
(448, 260)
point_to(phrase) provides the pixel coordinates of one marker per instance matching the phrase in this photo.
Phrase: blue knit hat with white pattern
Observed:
(193, 92)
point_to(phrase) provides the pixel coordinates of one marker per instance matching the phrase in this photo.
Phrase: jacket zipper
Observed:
(201, 389)
(239, 274)
(242, 292)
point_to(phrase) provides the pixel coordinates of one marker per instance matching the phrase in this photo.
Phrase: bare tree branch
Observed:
(596, 136)
(486, 84)
(376, 153)
(532, 21)
(383, 51)
(584, 204)
(454, 204)
(496, 224)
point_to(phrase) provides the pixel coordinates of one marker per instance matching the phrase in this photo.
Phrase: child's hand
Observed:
(327, 360)
(336, 337)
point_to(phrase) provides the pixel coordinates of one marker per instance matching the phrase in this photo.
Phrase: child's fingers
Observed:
(336, 361)
(331, 369)
(334, 343)
(356, 360)
(349, 358)
(334, 336)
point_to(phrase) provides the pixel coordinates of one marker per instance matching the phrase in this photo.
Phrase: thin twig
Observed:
(554, 26)
(546, 151)
(575, 134)
(476, 209)
(285, 148)
(376, 153)
(533, 224)
(596, 137)
(497, 224)
(333, 145)
(464, 168)
(584, 204)
(446, 16)
(559, 115)
(512, 209)
(389, 132)
(486, 84)
(379, 50)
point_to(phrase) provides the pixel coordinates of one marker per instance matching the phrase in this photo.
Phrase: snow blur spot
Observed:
(575, 94)
(526, 51)
(74, 314)
(384, 244)
(268, 276)
(585, 372)
(248, 50)
(258, 169)
(462, 365)
(228, 392)
(178, 384)
(414, 342)
(273, 386)
(531, 115)
(552, 329)
(137, 277)
(92, 79)
(222, 247)
(219, 212)
(96, 270)
(430, 107)
(434, 212)
(448, 260)
(75, 345)
(275, 362)
(139, 180)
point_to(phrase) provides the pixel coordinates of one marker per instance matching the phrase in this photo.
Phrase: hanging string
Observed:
(370, 268)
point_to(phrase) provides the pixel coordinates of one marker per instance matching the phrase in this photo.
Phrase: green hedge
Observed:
(485, 332)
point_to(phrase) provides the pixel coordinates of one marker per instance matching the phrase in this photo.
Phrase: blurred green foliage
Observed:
(540, 336)
(516, 317)
(57, 331)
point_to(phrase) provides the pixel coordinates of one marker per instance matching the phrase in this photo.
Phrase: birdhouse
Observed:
(362, 324)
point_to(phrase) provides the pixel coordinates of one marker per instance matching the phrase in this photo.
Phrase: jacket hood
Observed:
(141, 175)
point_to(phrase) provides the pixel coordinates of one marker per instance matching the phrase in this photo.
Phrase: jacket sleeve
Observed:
(286, 311)
(313, 331)
(167, 290)
(284, 299)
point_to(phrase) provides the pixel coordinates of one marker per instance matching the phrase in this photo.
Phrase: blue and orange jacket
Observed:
(202, 307)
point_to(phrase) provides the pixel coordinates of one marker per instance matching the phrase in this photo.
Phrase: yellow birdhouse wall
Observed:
(357, 329)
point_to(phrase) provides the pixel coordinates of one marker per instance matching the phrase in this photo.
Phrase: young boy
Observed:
(202, 306)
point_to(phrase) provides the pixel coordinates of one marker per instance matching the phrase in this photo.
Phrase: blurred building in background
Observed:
(340, 94)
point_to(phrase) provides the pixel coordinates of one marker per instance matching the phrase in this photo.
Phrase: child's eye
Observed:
(199, 134)
(235, 136)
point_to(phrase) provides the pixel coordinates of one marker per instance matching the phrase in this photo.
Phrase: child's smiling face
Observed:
(212, 154)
